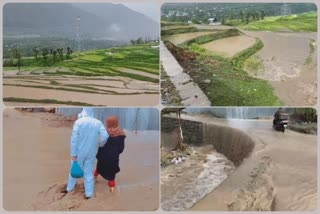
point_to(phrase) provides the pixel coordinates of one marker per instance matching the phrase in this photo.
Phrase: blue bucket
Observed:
(76, 171)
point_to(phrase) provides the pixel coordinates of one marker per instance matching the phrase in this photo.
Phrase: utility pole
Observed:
(285, 9)
(78, 34)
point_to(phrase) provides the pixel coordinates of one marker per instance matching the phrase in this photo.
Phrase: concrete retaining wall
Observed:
(233, 143)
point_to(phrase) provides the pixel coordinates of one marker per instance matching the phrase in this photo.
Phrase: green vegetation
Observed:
(239, 59)
(180, 30)
(165, 24)
(254, 64)
(307, 114)
(230, 85)
(223, 12)
(306, 22)
(47, 101)
(103, 62)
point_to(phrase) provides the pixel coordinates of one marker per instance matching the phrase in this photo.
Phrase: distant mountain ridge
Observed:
(97, 21)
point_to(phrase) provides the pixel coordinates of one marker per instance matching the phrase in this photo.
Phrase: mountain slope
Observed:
(98, 21)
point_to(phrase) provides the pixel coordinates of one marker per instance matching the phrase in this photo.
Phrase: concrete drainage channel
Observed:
(231, 147)
(188, 90)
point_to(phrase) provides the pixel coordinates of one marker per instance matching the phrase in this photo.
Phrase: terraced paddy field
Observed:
(230, 46)
(233, 66)
(116, 76)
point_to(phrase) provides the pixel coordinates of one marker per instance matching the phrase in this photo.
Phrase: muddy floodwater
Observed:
(37, 163)
(279, 174)
(289, 64)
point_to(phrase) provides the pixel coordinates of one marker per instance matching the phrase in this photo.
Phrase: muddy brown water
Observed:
(284, 57)
(36, 159)
(279, 174)
(230, 46)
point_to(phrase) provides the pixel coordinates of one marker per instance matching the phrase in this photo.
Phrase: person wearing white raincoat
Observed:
(87, 135)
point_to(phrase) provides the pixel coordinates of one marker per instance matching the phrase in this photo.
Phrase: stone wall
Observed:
(192, 130)
(233, 143)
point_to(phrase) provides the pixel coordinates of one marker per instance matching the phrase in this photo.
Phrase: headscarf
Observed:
(113, 128)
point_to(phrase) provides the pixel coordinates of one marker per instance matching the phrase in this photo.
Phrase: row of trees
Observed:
(57, 54)
(245, 17)
(140, 41)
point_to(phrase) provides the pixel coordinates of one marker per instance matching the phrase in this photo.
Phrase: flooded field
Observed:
(230, 46)
(289, 64)
(90, 90)
(44, 149)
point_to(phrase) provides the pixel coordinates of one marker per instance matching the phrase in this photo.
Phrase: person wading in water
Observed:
(108, 155)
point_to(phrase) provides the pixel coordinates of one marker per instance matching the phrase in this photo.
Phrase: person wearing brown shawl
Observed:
(108, 155)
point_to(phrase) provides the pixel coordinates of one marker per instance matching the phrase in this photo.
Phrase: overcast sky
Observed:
(151, 10)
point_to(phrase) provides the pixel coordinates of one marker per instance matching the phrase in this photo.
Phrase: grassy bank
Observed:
(179, 30)
(211, 37)
(305, 22)
(223, 80)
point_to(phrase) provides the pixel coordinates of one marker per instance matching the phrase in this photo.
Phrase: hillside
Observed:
(98, 21)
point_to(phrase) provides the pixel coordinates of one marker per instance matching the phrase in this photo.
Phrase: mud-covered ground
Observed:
(117, 91)
(37, 163)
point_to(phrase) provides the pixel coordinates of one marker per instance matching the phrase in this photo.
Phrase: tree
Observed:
(179, 143)
(257, 15)
(254, 16)
(60, 52)
(35, 53)
(17, 55)
(54, 55)
(223, 21)
(133, 42)
(247, 17)
(194, 21)
(231, 15)
(45, 53)
(139, 40)
(309, 114)
(241, 16)
(262, 14)
(69, 52)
